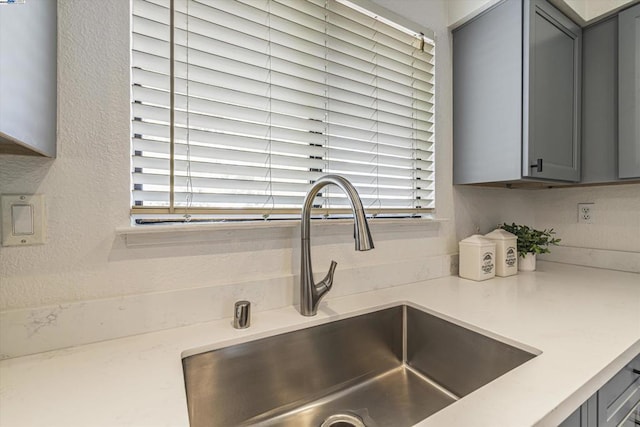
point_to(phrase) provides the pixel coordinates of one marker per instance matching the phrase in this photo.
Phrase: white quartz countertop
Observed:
(585, 321)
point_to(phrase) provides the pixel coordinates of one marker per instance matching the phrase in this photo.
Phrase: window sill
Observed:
(171, 234)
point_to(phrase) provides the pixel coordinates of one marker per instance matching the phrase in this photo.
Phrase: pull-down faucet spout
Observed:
(311, 292)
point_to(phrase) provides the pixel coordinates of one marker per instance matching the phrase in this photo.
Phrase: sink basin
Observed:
(391, 367)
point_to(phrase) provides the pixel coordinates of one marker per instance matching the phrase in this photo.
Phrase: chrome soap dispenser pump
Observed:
(242, 315)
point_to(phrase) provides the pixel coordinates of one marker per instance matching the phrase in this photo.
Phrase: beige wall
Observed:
(460, 10)
(587, 10)
(591, 9)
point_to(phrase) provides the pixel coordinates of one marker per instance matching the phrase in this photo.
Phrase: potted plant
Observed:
(530, 243)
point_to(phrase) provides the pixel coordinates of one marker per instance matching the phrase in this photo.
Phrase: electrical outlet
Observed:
(586, 213)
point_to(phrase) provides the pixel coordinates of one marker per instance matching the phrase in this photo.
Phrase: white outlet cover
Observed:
(23, 219)
(586, 213)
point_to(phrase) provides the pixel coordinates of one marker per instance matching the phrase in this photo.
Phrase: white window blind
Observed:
(239, 106)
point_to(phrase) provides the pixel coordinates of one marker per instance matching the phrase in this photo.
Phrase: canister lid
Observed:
(500, 234)
(476, 240)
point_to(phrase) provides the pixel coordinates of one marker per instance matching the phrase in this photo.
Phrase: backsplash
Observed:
(616, 213)
(612, 241)
(34, 330)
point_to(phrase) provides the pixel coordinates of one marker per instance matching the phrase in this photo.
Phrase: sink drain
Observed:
(343, 420)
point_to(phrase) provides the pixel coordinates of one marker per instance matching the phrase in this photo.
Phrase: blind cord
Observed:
(189, 195)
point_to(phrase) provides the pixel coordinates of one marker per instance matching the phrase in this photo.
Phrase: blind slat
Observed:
(264, 187)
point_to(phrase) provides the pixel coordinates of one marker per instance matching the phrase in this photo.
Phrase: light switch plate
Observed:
(23, 219)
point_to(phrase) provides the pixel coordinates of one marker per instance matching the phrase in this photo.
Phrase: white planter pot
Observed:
(527, 262)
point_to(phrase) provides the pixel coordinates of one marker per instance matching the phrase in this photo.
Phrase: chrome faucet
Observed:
(310, 292)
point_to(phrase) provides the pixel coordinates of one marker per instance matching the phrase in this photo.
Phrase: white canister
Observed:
(506, 252)
(477, 258)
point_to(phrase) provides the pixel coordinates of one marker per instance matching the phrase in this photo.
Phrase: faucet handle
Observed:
(325, 284)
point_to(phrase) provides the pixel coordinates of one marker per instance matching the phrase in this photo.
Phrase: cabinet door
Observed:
(629, 93)
(28, 76)
(487, 96)
(600, 102)
(551, 121)
(619, 395)
(585, 416)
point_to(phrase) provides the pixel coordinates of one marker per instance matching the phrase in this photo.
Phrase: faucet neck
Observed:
(362, 234)
(310, 292)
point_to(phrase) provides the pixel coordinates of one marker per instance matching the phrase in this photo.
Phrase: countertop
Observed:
(585, 321)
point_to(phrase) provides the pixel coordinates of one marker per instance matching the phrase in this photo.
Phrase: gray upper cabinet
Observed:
(600, 102)
(516, 82)
(629, 93)
(551, 88)
(610, 95)
(28, 77)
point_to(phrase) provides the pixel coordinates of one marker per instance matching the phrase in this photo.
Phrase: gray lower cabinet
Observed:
(620, 395)
(585, 416)
(629, 93)
(28, 78)
(615, 404)
(517, 89)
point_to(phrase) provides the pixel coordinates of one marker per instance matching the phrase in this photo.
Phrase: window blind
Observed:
(239, 106)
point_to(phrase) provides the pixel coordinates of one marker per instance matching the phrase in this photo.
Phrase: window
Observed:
(239, 106)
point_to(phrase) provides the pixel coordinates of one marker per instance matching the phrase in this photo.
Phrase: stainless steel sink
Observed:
(392, 367)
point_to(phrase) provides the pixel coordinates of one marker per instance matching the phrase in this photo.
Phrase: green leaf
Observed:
(530, 239)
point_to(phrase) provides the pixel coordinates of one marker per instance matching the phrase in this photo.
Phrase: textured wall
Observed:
(87, 188)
